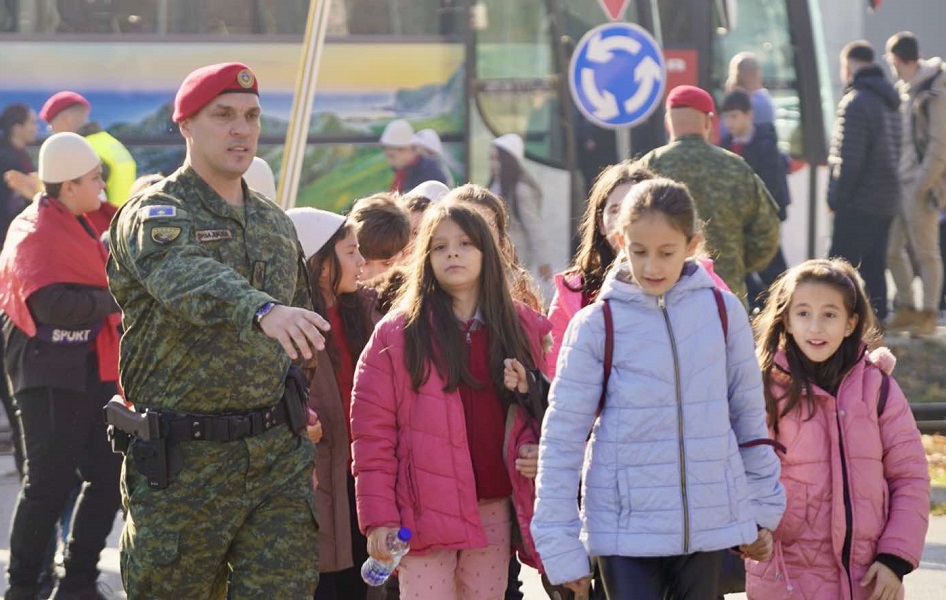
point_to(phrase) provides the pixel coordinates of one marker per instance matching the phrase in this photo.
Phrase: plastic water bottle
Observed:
(375, 572)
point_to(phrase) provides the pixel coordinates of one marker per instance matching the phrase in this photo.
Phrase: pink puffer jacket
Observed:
(566, 302)
(889, 491)
(412, 464)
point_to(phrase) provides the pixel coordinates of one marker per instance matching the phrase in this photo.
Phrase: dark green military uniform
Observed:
(189, 272)
(742, 227)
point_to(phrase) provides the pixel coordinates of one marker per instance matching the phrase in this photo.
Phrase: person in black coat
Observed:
(17, 129)
(863, 184)
(757, 144)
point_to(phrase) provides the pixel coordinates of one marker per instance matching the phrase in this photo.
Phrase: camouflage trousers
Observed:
(244, 506)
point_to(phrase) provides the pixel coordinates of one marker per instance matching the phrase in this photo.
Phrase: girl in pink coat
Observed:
(854, 469)
(579, 285)
(435, 431)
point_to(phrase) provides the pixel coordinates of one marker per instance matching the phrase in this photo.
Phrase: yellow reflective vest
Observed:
(120, 166)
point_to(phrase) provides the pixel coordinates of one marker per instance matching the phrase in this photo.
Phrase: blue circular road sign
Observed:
(617, 75)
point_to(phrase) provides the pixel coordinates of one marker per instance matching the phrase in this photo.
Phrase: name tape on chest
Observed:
(213, 235)
(163, 211)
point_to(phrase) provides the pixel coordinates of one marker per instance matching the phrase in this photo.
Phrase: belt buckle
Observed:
(240, 427)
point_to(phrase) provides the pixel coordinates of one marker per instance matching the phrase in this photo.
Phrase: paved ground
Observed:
(929, 583)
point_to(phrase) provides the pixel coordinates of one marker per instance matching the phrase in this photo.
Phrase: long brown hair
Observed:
(511, 174)
(432, 334)
(518, 277)
(354, 310)
(595, 255)
(772, 336)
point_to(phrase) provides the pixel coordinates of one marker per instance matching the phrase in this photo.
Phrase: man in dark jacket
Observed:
(863, 186)
(757, 144)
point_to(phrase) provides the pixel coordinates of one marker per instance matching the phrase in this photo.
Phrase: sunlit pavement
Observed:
(929, 583)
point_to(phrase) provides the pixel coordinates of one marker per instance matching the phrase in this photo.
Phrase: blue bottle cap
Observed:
(404, 534)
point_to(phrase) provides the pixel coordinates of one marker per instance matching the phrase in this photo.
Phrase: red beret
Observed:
(60, 102)
(206, 83)
(688, 96)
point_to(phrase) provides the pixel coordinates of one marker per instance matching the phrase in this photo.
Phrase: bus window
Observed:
(761, 27)
(516, 87)
(229, 17)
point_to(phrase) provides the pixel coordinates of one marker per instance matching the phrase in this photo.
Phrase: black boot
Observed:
(91, 592)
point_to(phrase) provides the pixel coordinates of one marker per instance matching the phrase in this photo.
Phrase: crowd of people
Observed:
(293, 386)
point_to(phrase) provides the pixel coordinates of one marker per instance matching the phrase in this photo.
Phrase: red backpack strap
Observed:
(721, 309)
(608, 352)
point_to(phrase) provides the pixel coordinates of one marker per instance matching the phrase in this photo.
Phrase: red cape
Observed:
(46, 245)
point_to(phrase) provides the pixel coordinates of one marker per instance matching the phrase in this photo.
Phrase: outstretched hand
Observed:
(298, 330)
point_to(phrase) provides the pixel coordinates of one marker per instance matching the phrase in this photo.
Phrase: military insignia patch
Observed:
(159, 211)
(245, 78)
(213, 235)
(165, 235)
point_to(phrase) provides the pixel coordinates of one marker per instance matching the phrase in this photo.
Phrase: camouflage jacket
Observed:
(741, 219)
(189, 272)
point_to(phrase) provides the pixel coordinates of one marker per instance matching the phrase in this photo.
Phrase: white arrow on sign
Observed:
(606, 105)
(601, 50)
(647, 74)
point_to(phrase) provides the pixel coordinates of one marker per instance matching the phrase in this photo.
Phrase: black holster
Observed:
(151, 460)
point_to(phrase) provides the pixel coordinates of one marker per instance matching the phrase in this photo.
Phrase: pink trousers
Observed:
(474, 574)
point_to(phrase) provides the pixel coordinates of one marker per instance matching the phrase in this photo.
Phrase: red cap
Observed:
(206, 83)
(689, 96)
(60, 102)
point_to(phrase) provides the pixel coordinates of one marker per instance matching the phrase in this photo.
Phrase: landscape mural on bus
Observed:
(361, 87)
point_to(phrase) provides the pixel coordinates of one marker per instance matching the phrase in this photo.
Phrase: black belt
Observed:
(223, 428)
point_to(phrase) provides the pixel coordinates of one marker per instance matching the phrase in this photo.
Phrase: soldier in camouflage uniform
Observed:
(741, 219)
(210, 280)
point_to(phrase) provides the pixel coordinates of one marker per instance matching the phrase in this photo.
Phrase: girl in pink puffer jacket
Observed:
(854, 470)
(436, 434)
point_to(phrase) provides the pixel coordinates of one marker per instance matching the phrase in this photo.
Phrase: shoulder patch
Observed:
(165, 235)
(158, 211)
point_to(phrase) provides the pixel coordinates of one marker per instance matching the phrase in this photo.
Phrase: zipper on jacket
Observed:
(662, 303)
(848, 508)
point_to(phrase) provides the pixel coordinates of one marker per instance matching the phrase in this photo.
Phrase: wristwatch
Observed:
(262, 312)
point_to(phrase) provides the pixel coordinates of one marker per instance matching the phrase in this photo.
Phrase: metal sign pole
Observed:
(298, 133)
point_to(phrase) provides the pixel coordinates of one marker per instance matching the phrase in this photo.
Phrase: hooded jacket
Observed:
(663, 474)
(333, 459)
(412, 461)
(567, 301)
(881, 462)
(865, 146)
(762, 154)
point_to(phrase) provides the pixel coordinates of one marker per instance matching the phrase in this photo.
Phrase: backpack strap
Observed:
(926, 86)
(884, 392)
(608, 353)
(721, 309)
